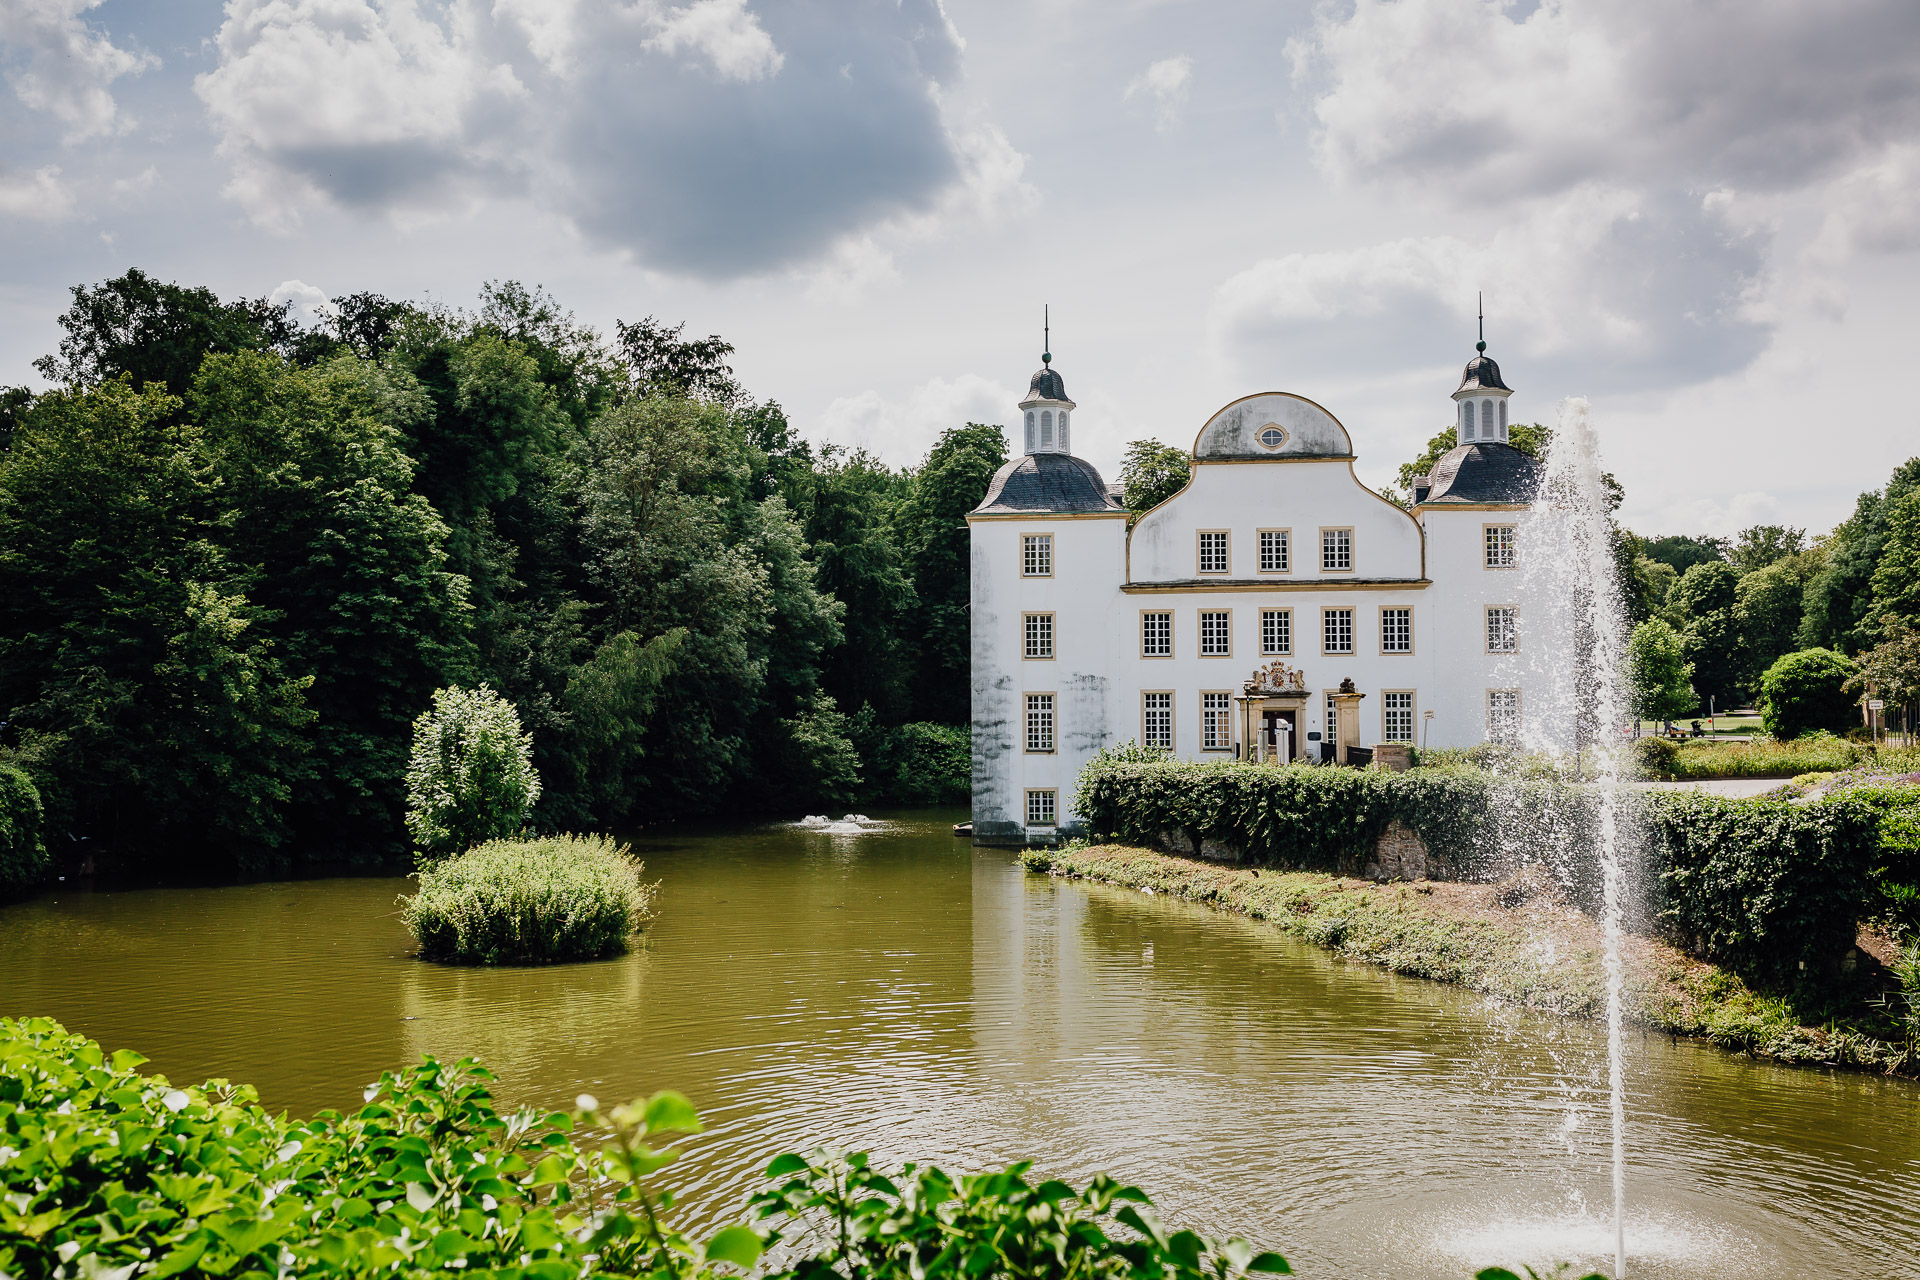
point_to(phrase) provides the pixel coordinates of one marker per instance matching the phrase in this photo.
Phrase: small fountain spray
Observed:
(1581, 702)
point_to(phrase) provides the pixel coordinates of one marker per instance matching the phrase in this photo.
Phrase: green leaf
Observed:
(785, 1164)
(127, 1059)
(1271, 1263)
(550, 1170)
(1495, 1273)
(179, 1260)
(670, 1112)
(738, 1245)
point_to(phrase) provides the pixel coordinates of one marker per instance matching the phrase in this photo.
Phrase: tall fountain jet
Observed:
(1580, 705)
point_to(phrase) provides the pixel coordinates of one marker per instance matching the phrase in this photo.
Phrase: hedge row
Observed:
(23, 852)
(1759, 885)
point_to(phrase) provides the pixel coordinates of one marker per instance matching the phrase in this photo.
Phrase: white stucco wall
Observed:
(1463, 588)
(1089, 558)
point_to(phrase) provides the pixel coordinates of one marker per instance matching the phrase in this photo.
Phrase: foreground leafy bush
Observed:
(23, 851)
(471, 776)
(1895, 801)
(112, 1175)
(530, 902)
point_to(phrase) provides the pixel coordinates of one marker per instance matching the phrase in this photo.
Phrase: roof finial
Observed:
(1481, 346)
(1046, 336)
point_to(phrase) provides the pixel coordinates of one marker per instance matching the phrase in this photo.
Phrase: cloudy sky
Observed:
(1702, 216)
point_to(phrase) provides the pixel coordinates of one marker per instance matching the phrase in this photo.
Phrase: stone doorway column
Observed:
(1346, 703)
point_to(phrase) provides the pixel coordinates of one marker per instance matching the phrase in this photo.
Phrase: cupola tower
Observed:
(1046, 406)
(1482, 396)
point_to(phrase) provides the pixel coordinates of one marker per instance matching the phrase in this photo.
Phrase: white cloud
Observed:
(56, 62)
(309, 302)
(901, 432)
(40, 195)
(1472, 102)
(1713, 518)
(707, 139)
(1874, 209)
(731, 38)
(1166, 82)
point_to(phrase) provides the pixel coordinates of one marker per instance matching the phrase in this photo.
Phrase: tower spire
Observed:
(1481, 346)
(1046, 335)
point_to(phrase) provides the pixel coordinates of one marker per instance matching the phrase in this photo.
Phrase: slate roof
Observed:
(1481, 374)
(1047, 482)
(1483, 472)
(1047, 384)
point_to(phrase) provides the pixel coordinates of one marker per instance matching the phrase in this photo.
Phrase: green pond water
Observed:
(904, 993)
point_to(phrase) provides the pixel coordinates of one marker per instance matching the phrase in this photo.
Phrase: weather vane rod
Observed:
(1481, 345)
(1046, 335)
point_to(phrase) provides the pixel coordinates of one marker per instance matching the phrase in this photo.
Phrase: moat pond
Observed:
(904, 993)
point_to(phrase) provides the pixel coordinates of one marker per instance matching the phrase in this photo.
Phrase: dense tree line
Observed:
(238, 554)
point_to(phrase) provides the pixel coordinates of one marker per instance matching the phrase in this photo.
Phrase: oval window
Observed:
(1273, 437)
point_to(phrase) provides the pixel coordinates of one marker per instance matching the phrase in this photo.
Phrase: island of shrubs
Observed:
(489, 893)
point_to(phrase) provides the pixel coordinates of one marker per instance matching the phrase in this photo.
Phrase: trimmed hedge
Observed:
(1758, 885)
(23, 851)
(1763, 886)
(530, 902)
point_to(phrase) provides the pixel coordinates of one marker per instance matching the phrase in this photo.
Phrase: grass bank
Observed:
(1521, 942)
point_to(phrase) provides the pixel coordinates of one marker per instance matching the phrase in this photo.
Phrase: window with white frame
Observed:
(1503, 629)
(1333, 720)
(1216, 722)
(1213, 553)
(1503, 716)
(1039, 629)
(1036, 555)
(1216, 633)
(1156, 635)
(1276, 551)
(1336, 630)
(1156, 720)
(1500, 550)
(1396, 631)
(1276, 631)
(1042, 806)
(1396, 717)
(1040, 722)
(1336, 550)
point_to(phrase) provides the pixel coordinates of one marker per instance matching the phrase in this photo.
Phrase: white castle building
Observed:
(1273, 609)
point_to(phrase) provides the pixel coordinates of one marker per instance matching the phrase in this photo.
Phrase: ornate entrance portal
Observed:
(1271, 703)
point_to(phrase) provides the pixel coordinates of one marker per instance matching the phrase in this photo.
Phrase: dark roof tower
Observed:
(1047, 478)
(1483, 467)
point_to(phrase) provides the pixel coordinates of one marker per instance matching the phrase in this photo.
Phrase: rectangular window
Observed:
(1503, 629)
(1336, 550)
(1216, 722)
(1396, 717)
(1276, 551)
(1156, 635)
(1503, 716)
(1500, 546)
(1036, 555)
(1276, 631)
(1216, 633)
(1040, 722)
(1333, 722)
(1213, 553)
(1156, 720)
(1041, 807)
(1039, 630)
(1336, 630)
(1396, 631)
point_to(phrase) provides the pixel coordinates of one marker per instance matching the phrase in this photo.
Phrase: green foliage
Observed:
(23, 850)
(1770, 606)
(1704, 604)
(1765, 887)
(814, 758)
(130, 654)
(1661, 676)
(1655, 757)
(113, 1172)
(848, 1218)
(1755, 548)
(1896, 578)
(470, 776)
(1681, 552)
(1764, 757)
(1152, 472)
(917, 764)
(1841, 609)
(933, 533)
(538, 901)
(1806, 692)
